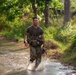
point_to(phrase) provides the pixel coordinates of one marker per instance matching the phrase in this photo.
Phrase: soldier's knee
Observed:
(32, 60)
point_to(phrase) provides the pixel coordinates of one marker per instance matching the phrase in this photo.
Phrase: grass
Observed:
(70, 54)
(63, 37)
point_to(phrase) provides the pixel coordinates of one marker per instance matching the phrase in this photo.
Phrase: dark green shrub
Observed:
(66, 34)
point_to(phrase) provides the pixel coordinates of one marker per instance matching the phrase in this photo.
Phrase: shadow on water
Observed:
(6, 44)
(20, 49)
(52, 68)
(19, 73)
(15, 50)
(24, 72)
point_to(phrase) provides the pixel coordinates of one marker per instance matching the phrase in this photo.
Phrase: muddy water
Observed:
(15, 63)
(14, 60)
(51, 68)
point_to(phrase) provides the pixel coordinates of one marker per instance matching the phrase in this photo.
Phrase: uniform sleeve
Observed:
(41, 31)
(27, 30)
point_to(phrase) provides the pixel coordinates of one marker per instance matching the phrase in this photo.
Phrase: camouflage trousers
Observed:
(35, 54)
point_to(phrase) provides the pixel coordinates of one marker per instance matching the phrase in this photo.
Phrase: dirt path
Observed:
(13, 56)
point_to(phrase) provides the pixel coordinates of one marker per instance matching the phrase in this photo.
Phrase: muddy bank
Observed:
(13, 61)
(52, 67)
(14, 58)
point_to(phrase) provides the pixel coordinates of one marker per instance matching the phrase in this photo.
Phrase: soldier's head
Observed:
(35, 21)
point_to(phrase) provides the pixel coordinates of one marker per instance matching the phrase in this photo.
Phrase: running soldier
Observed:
(34, 36)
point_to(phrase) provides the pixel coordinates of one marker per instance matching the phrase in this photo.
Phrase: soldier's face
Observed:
(35, 21)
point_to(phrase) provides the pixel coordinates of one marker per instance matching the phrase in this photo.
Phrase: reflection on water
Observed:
(15, 64)
(51, 68)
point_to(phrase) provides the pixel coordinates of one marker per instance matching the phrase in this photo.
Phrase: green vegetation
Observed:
(16, 30)
(70, 53)
(16, 16)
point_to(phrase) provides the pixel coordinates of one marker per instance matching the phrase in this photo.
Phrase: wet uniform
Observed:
(35, 51)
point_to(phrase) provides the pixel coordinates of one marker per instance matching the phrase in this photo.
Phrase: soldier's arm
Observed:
(25, 35)
(42, 36)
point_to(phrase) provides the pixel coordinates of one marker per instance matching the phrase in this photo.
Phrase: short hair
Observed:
(35, 18)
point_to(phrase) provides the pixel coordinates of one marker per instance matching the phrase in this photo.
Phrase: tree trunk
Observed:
(67, 13)
(34, 9)
(46, 13)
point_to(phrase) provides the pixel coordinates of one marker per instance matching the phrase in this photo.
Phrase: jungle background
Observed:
(56, 17)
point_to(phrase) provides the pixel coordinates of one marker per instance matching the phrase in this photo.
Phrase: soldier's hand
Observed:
(44, 45)
(25, 42)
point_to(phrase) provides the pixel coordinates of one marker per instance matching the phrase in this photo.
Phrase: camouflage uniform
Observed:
(35, 52)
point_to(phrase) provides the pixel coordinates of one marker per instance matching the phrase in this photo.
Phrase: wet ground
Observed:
(14, 58)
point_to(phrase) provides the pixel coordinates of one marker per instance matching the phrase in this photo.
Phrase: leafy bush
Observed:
(17, 29)
(66, 33)
(72, 48)
(49, 33)
(70, 53)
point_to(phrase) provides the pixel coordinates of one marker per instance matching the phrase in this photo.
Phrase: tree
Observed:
(67, 13)
(46, 13)
(12, 9)
(45, 4)
(34, 7)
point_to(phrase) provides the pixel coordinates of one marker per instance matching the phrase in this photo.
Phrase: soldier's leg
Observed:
(33, 54)
(38, 58)
(38, 61)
